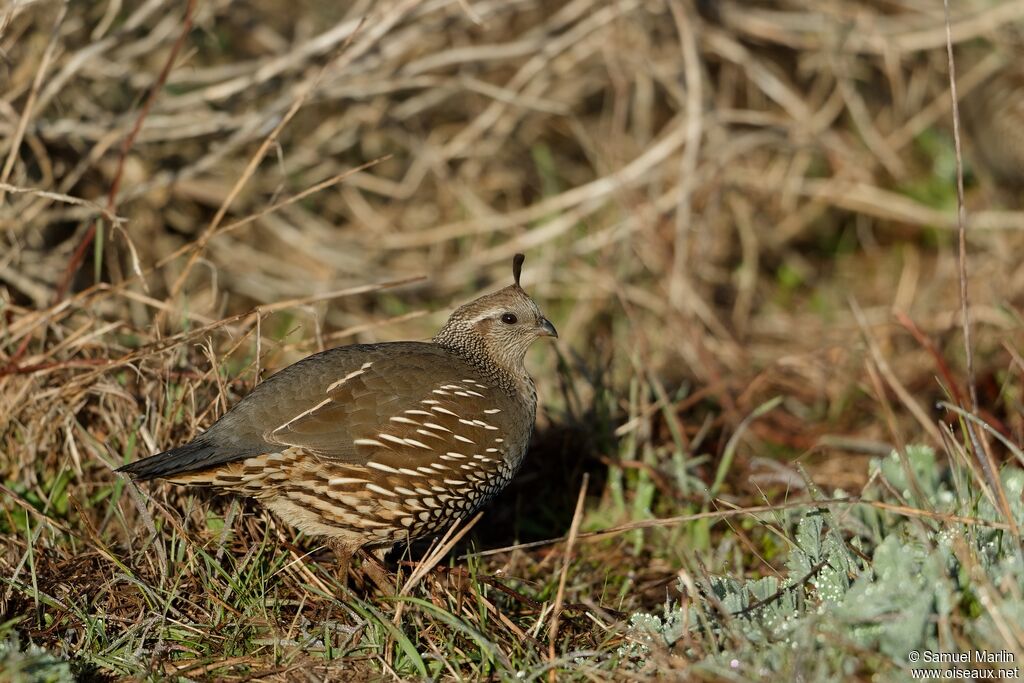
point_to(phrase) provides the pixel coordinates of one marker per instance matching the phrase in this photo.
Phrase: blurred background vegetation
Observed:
(741, 216)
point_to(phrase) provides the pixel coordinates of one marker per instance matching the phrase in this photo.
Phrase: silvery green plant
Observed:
(863, 588)
(31, 664)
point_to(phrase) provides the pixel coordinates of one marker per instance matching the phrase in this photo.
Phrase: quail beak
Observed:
(546, 329)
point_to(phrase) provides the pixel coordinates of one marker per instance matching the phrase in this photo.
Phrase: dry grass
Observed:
(721, 204)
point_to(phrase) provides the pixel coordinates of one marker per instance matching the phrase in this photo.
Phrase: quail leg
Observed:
(343, 553)
(373, 567)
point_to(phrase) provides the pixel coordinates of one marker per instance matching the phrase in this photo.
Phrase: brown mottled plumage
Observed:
(374, 444)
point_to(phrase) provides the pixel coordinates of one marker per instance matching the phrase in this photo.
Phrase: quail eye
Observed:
(509, 319)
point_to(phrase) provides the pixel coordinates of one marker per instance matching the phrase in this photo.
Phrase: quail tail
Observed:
(187, 458)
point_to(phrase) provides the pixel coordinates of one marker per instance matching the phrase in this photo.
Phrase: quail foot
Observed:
(369, 445)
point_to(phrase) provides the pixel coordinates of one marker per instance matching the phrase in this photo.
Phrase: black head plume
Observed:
(517, 266)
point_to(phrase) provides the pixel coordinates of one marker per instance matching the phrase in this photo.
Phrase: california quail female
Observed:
(372, 444)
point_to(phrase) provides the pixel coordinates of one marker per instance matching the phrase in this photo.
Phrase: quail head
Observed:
(372, 444)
